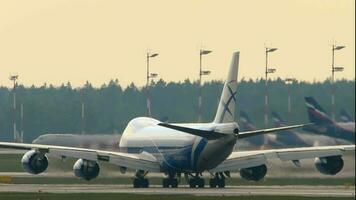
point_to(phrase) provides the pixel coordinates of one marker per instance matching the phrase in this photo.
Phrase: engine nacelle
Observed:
(34, 162)
(86, 169)
(254, 173)
(330, 165)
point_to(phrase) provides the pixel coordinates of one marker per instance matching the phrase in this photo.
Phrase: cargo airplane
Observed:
(149, 145)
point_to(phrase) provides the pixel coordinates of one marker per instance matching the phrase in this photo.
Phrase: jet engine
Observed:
(86, 169)
(254, 173)
(34, 162)
(330, 165)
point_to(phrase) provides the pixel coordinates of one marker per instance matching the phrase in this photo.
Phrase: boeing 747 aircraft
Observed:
(149, 145)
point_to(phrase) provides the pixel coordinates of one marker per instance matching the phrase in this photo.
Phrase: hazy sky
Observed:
(77, 40)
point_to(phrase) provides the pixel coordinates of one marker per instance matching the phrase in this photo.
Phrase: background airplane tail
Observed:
(277, 119)
(244, 117)
(316, 113)
(226, 107)
(345, 117)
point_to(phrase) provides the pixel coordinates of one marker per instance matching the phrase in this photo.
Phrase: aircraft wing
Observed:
(142, 161)
(246, 159)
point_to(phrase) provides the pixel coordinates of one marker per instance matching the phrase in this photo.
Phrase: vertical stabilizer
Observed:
(278, 120)
(345, 117)
(316, 113)
(226, 107)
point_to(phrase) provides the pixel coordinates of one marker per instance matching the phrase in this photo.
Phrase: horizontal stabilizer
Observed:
(270, 130)
(210, 135)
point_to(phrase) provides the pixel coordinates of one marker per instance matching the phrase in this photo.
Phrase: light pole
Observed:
(201, 73)
(333, 70)
(289, 82)
(149, 76)
(22, 126)
(14, 79)
(267, 71)
(82, 112)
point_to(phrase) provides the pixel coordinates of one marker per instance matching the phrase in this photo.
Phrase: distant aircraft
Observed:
(88, 141)
(290, 138)
(149, 145)
(325, 125)
(345, 117)
(246, 124)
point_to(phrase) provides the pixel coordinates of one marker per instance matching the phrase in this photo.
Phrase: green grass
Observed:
(110, 196)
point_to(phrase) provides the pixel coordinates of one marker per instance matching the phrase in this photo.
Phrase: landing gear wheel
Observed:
(221, 183)
(170, 182)
(217, 182)
(140, 183)
(174, 183)
(201, 183)
(213, 183)
(196, 182)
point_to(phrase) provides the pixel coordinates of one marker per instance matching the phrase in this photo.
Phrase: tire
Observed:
(136, 183)
(221, 183)
(213, 183)
(145, 183)
(192, 183)
(201, 183)
(165, 183)
(174, 183)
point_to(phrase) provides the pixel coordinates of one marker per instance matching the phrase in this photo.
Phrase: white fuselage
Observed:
(176, 150)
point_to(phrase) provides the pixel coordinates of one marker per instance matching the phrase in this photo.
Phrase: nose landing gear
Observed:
(140, 181)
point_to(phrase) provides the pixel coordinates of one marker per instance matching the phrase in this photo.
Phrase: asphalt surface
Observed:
(312, 191)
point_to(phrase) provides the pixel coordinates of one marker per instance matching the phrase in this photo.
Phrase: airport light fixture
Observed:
(14, 79)
(205, 73)
(270, 49)
(149, 76)
(333, 70)
(289, 82)
(267, 71)
(271, 71)
(153, 75)
(201, 73)
(338, 47)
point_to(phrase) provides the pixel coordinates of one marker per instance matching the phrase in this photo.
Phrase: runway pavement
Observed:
(312, 191)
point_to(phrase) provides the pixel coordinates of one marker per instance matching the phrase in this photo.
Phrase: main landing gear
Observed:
(196, 181)
(171, 181)
(140, 181)
(218, 179)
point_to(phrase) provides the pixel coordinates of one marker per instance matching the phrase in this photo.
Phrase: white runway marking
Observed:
(312, 191)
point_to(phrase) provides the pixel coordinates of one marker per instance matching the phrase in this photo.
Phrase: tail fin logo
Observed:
(231, 99)
(226, 108)
(316, 112)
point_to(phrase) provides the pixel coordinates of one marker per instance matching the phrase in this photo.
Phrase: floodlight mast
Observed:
(149, 76)
(267, 71)
(289, 82)
(82, 111)
(333, 70)
(201, 73)
(14, 79)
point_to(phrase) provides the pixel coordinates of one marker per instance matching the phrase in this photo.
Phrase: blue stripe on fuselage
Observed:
(197, 151)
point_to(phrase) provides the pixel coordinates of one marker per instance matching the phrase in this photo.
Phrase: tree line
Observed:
(49, 109)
